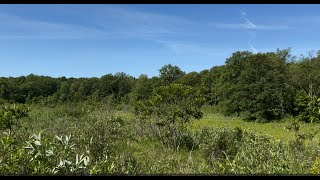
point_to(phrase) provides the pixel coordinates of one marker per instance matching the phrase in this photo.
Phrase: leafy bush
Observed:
(55, 157)
(240, 152)
(315, 168)
(220, 144)
(9, 116)
(307, 108)
(169, 111)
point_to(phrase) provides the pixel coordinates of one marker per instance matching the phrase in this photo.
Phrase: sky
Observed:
(94, 40)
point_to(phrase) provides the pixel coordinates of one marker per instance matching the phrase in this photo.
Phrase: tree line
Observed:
(263, 86)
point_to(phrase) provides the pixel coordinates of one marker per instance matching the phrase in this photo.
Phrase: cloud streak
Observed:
(143, 24)
(176, 33)
(243, 13)
(253, 49)
(181, 48)
(14, 27)
(252, 35)
(248, 24)
(109, 22)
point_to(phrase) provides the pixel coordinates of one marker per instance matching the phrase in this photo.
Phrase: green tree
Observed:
(169, 73)
(121, 85)
(142, 89)
(63, 94)
(255, 85)
(308, 109)
(305, 80)
(212, 81)
(190, 79)
(105, 85)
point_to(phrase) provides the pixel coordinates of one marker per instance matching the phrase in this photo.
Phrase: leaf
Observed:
(49, 153)
(38, 143)
(59, 138)
(86, 160)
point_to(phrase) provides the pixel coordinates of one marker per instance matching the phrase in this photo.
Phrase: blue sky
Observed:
(94, 40)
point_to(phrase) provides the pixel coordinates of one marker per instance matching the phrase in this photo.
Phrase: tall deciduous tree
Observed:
(169, 73)
(255, 85)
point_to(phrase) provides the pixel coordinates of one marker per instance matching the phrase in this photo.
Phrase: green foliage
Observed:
(263, 86)
(104, 134)
(307, 108)
(190, 79)
(12, 158)
(221, 144)
(169, 110)
(102, 142)
(255, 85)
(107, 139)
(54, 157)
(315, 169)
(169, 73)
(93, 149)
(10, 115)
(240, 152)
(212, 83)
(299, 142)
(142, 90)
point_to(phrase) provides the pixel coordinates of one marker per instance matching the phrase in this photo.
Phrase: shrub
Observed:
(10, 115)
(220, 144)
(169, 111)
(240, 152)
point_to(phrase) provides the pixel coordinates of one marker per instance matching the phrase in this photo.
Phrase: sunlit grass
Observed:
(129, 146)
(275, 129)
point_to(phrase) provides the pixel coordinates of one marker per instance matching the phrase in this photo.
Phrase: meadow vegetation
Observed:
(257, 114)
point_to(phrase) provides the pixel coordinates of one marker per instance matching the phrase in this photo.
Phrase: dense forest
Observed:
(264, 86)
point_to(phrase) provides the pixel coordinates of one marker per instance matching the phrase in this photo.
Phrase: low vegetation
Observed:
(109, 141)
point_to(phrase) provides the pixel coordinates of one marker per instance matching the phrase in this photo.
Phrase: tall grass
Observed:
(99, 139)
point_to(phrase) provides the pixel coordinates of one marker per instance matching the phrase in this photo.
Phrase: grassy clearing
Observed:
(275, 129)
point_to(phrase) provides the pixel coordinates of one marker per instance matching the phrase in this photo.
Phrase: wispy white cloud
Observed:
(248, 24)
(243, 13)
(185, 48)
(252, 36)
(134, 23)
(250, 27)
(253, 49)
(109, 22)
(14, 27)
(116, 22)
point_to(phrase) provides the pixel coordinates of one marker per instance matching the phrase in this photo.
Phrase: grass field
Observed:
(116, 143)
(275, 129)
